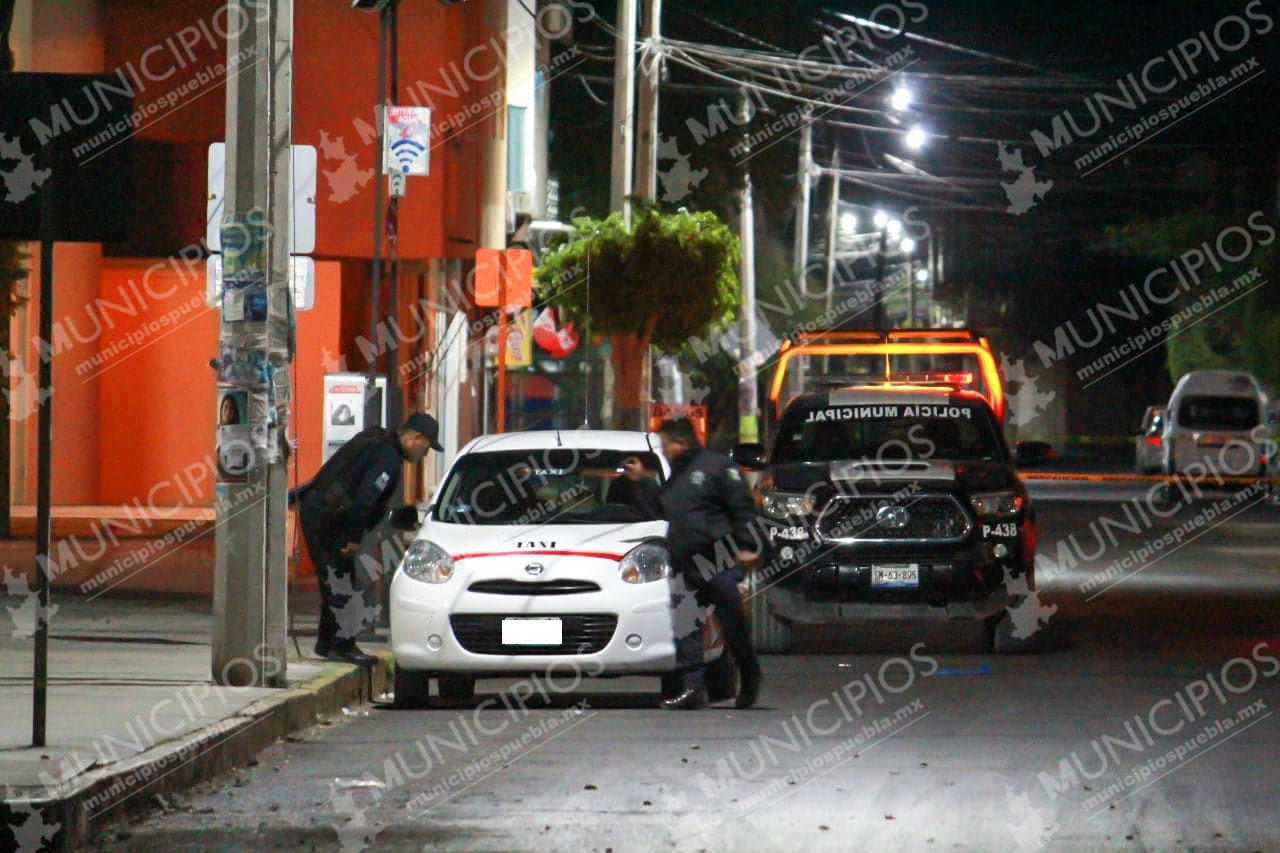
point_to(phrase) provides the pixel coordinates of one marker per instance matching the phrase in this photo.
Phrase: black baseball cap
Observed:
(426, 425)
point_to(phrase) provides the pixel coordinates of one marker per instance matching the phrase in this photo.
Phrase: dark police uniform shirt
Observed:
(709, 513)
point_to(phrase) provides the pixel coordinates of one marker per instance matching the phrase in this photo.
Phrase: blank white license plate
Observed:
(907, 574)
(531, 632)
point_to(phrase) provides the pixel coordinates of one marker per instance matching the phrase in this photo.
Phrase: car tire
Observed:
(412, 689)
(722, 678)
(456, 688)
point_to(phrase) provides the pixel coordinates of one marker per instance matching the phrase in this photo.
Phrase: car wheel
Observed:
(456, 688)
(413, 689)
(672, 684)
(722, 678)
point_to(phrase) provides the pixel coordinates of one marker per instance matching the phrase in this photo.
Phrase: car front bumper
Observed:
(609, 632)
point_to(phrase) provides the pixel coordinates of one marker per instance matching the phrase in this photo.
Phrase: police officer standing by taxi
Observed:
(709, 514)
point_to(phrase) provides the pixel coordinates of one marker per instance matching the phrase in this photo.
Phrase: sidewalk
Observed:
(133, 715)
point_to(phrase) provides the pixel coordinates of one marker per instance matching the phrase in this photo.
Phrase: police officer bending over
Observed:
(706, 504)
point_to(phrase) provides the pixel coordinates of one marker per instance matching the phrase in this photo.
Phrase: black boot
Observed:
(749, 686)
(689, 699)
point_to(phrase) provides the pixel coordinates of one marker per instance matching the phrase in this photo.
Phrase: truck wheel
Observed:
(412, 689)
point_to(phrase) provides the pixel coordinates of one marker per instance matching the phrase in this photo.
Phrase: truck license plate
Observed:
(902, 574)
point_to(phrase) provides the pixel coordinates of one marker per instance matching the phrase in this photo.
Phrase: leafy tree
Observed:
(668, 279)
(1243, 334)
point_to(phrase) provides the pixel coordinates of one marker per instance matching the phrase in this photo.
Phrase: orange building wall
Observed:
(151, 404)
(156, 426)
(335, 73)
(335, 90)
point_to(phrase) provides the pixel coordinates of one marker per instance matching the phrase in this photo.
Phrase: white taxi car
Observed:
(535, 558)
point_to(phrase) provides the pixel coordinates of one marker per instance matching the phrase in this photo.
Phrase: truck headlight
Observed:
(997, 504)
(645, 563)
(784, 505)
(427, 562)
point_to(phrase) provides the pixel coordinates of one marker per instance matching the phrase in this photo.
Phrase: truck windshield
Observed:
(884, 432)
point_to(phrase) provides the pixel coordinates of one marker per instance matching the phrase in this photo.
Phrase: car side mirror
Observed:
(750, 455)
(1032, 453)
(404, 518)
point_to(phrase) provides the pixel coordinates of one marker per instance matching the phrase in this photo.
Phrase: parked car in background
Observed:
(1148, 445)
(1216, 420)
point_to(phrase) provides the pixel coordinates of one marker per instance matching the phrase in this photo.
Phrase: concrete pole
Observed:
(493, 177)
(800, 257)
(624, 92)
(646, 186)
(833, 213)
(250, 572)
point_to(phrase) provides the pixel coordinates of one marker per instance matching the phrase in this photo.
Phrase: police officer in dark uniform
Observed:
(345, 500)
(710, 516)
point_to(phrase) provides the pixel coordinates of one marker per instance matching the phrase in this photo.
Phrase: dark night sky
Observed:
(1222, 157)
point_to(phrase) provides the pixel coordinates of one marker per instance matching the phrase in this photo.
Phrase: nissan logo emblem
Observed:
(534, 569)
(893, 517)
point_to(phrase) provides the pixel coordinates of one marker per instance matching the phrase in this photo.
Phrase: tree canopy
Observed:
(1237, 326)
(670, 278)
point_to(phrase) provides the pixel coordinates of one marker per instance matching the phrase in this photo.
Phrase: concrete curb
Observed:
(104, 796)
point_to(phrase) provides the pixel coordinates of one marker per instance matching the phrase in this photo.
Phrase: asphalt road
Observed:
(1145, 722)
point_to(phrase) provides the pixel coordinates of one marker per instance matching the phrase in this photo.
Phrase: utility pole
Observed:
(646, 186)
(800, 257)
(877, 306)
(646, 164)
(833, 213)
(250, 574)
(748, 403)
(624, 93)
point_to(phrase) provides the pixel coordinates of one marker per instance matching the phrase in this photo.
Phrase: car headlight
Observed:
(427, 562)
(645, 563)
(784, 506)
(997, 504)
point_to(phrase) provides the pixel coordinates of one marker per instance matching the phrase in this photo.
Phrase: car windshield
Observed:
(1226, 413)
(543, 486)
(894, 431)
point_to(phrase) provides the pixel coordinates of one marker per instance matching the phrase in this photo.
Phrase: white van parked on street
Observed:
(1217, 419)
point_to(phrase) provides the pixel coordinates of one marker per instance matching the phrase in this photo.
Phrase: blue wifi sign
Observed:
(407, 131)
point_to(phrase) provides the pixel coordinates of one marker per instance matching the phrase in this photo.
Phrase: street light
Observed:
(900, 100)
(916, 138)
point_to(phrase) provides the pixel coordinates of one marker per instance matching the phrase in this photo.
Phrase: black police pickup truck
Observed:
(895, 500)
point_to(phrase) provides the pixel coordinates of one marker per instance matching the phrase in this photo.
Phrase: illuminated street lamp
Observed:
(900, 100)
(916, 137)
